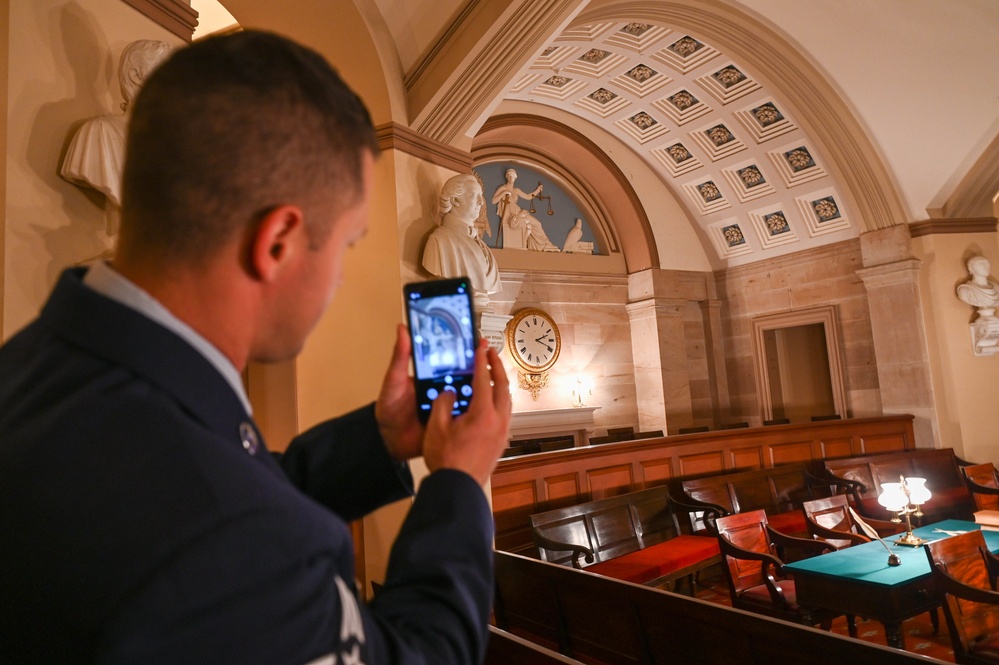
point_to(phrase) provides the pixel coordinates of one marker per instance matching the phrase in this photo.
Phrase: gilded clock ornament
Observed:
(534, 342)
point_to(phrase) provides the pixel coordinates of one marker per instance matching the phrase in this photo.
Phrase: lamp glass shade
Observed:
(918, 493)
(892, 497)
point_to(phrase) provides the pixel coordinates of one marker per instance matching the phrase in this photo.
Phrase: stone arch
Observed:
(622, 219)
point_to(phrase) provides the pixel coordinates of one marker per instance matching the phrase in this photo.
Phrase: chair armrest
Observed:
(820, 531)
(854, 488)
(814, 547)
(963, 462)
(768, 560)
(842, 485)
(557, 545)
(712, 511)
(948, 584)
(731, 549)
(980, 489)
(885, 528)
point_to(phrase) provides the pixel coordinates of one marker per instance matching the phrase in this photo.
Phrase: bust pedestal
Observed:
(985, 336)
(492, 327)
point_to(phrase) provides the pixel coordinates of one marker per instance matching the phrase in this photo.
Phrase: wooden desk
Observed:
(858, 580)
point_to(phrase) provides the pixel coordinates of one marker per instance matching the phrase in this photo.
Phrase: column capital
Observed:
(890, 274)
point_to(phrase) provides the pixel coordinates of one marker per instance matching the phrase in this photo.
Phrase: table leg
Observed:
(893, 634)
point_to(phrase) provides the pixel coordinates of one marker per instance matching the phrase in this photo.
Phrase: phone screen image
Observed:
(443, 338)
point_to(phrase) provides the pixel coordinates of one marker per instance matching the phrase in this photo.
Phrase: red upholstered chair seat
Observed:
(658, 560)
(792, 523)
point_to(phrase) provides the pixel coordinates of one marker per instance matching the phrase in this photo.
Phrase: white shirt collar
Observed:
(103, 279)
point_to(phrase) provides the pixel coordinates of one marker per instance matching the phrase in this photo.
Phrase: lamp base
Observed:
(909, 540)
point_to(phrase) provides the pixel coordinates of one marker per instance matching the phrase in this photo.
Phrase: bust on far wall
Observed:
(96, 154)
(980, 291)
(454, 248)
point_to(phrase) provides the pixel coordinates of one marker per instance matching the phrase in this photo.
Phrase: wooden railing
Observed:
(522, 486)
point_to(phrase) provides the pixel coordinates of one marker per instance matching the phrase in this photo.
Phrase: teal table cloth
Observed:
(869, 562)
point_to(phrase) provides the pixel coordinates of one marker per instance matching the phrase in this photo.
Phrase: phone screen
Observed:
(440, 319)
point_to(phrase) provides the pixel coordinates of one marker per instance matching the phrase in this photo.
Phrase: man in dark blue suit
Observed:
(142, 519)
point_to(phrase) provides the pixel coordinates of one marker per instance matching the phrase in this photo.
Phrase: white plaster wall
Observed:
(966, 387)
(63, 69)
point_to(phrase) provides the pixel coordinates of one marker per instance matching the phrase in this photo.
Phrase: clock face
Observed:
(534, 340)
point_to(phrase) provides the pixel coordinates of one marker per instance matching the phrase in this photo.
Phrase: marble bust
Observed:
(96, 153)
(980, 291)
(454, 248)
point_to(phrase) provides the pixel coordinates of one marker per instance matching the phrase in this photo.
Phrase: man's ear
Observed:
(275, 241)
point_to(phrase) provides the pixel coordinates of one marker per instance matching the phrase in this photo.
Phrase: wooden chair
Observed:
(965, 574)
(693, 430)
(755, 573)
(983, 483)
(777, 421)
(830, 416)
(830, 519)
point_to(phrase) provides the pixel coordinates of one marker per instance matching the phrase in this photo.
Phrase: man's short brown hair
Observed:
(231, 127)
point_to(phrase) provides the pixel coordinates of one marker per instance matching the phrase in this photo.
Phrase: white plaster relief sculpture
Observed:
(572, 244)
(521, 230)
(96, 154)
(454, 248)
(982, 293)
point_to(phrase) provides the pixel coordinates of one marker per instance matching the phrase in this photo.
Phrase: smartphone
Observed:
(440, 317)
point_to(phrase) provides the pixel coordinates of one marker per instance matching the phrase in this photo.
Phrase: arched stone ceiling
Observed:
(730, 148)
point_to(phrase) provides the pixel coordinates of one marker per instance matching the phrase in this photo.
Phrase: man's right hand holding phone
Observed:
(474, 441)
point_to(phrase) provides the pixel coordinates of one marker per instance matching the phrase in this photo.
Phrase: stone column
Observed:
(891, 278)
(662, 382)
(715, 349)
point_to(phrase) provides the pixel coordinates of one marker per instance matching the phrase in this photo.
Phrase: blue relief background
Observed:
(556, 225)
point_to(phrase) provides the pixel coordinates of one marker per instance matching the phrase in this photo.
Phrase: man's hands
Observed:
(471, 442)
(395, 409)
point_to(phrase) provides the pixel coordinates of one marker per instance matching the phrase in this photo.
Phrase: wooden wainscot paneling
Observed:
(872, 444)
(528, 484)
(610, 481)
(513, 506)
(655, 472)
(560, 491)
(835, 447)
(746, 459)
(791, 453)
(702, 464)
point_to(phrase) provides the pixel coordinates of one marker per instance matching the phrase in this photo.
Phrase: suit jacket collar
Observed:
(125, 337)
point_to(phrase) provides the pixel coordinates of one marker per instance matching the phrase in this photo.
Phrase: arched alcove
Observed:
(583, 167)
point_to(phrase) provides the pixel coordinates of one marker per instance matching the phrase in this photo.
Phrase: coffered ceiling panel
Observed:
(732, 153)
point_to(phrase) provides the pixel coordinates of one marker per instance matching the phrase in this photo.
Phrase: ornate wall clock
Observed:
(534, 342)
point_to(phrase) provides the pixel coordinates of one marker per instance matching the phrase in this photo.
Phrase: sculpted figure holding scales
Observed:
(521, 230)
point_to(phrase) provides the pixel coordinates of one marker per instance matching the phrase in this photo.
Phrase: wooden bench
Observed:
(950, 497)
(779, 491)
(506, 649)
(634, 537)
(597, 619)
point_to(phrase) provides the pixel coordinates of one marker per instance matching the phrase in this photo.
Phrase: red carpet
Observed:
(918, 631)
